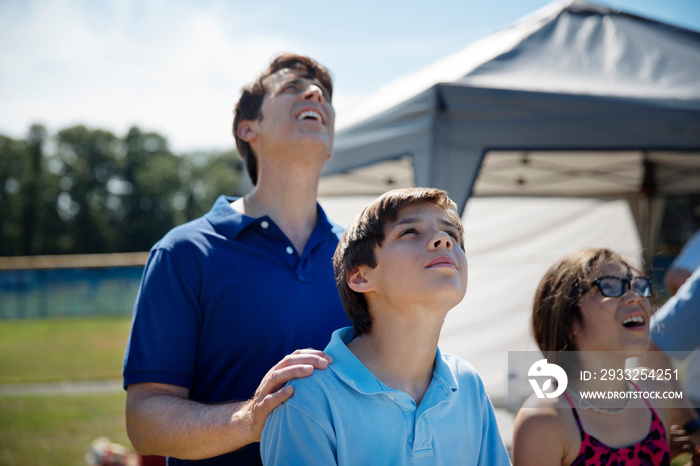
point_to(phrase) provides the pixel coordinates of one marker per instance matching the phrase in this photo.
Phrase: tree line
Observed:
(84, 191)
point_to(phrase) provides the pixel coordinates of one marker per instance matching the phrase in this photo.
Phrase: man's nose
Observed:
(313, 92)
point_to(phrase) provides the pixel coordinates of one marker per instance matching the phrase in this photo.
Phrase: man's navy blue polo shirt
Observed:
(224, 298)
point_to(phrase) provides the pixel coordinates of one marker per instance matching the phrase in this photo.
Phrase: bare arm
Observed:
(161, 420)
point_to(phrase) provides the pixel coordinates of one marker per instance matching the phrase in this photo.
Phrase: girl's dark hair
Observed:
(556, 305)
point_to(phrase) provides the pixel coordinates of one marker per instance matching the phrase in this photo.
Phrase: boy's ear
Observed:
(358, 279)
(247, 130)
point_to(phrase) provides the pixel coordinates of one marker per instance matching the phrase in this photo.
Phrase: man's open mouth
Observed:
(310, 115)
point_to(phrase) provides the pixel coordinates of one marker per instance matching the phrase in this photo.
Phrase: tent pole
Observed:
(647, 197)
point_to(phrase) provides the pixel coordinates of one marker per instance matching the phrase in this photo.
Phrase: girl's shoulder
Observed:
(544, 429)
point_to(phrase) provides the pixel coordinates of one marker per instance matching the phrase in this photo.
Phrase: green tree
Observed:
(13, 157)
(91, 192)
(89, 161)
(29, 223)
(151, 180)
(31, 190)
(206, 176)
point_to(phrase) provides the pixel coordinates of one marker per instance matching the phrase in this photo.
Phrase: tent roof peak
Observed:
(570, 46)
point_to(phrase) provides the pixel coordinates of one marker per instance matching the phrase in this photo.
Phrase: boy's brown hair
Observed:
(366, 232)
(252, 95)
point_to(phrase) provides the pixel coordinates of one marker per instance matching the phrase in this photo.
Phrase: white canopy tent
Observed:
(576, 99)
(590, 110)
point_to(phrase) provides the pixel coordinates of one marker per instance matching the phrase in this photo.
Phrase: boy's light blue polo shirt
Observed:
(345, 415)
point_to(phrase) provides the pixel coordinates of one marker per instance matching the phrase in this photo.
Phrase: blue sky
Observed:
(177, 66)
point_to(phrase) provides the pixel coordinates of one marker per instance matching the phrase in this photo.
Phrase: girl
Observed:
(593, 306)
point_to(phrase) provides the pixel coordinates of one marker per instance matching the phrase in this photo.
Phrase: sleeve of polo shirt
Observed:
(675, 326)
(493, 451)
(292, 437)
(166, 324)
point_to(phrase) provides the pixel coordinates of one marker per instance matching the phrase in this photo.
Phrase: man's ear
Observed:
(247, 130)
(358, 279)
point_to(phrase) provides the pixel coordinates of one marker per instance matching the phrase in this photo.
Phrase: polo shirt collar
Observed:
(442, 370)
(229, 222)
(356, 375)
(351, 370)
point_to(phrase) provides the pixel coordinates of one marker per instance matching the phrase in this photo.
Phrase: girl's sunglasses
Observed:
(614, 287)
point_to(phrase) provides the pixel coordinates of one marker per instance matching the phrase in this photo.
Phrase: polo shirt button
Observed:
(264, 224)
(290, 250)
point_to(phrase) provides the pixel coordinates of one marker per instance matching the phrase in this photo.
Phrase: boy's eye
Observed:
(409, 231)
(453, 234)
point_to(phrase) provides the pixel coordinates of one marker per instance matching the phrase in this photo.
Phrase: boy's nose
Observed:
(442, 239)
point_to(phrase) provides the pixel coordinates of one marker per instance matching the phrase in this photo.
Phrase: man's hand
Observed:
(272, 391)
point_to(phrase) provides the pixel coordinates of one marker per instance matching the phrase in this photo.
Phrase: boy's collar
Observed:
(356, 374)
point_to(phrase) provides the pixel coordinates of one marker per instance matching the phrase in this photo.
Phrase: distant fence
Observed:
(79, 285)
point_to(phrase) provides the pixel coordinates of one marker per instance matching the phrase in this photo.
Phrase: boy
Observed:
(390, 396)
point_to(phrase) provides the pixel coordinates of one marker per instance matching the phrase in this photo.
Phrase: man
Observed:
(227, 296)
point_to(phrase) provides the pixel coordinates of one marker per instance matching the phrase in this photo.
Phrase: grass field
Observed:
(58, 429)
(52, 350)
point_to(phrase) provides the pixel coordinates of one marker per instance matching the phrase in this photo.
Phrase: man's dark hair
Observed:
(252, 95)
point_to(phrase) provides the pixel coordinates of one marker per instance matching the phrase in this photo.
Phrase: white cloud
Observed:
(174, 70)
(177, 66)
(173, 67)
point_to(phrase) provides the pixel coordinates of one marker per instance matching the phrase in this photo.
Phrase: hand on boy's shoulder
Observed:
(311, 398)
(314, 384)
